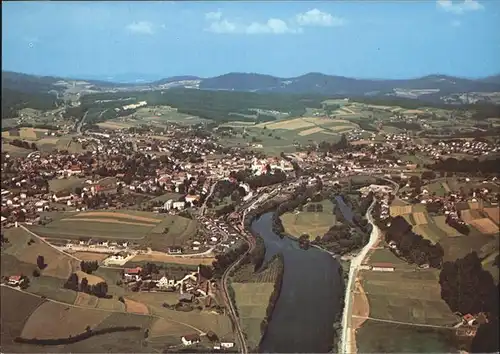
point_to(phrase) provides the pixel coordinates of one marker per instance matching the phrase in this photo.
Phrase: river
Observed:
(302, 320)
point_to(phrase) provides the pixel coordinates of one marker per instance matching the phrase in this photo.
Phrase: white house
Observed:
(227, 344)
(190, 339)
(164, 282)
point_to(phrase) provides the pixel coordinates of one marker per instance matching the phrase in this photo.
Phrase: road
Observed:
(227, 299)
(405, 323)
(80, 124)
(204, 206)
(346, 343)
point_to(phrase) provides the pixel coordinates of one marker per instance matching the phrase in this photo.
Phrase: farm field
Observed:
(313, 224)
(163, 258)
(199, 321)
(485, 226)
(58, 264)
(15, 151)
(251, 300)
(16, 307)
(86, 300)
(90, 256)
(493, 214)
(252, 294)
(400, 210)
(64, 321)
(146, 228)
(132, 306)
(440, 222)
(380, 337)
(406, 296)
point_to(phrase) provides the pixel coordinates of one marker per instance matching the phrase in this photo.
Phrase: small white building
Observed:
(190, 339)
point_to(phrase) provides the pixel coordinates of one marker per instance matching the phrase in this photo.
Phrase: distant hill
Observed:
(339, 85)
(431, 88)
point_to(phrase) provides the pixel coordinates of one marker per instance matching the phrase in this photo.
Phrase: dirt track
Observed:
(119, 215)
(108, 221)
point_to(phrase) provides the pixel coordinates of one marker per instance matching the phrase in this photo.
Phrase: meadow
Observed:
(157, 231)
(252, 291)
(314, 224)
(382, 337)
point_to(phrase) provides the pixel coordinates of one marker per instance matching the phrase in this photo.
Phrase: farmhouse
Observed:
(15, 280)
(190, 339)
(164, 282)
(133, 273)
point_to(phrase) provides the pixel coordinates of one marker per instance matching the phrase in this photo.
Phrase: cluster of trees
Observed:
(23, 144)
(77, 338)
(342, 144)
(341, 240)
(267, 179)
(365, 203)
(278, 282)
(473, 167)
(467, 288)
(100, 289)
(414, 248)
(224, 260)
(461, 227)
(89, 266)
(258, 253)
(226, 209)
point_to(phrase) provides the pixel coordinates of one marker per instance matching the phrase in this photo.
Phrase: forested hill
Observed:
(333, 85)
(13, 101)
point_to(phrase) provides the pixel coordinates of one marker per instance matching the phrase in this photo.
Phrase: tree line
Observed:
(100, 289)
(414, 248)
(273, 299)
(224, 260)
(473, 167)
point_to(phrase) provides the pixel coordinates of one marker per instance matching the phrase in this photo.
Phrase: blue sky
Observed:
(369, 39)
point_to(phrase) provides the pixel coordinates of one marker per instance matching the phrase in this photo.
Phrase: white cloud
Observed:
(218, 24)
(273, 25)
(316, 17)
(141, 27)
(456, 23)
(213, 16)
(222, 26)
(459, 8)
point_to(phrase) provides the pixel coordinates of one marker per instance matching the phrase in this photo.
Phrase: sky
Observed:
(364, 39)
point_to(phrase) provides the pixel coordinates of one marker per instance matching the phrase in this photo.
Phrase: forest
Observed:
(215, 105)
(13, 101)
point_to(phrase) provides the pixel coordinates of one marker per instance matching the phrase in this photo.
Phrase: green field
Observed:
(380, 337)
(313, 224)
(16, 308)
(147, 229)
